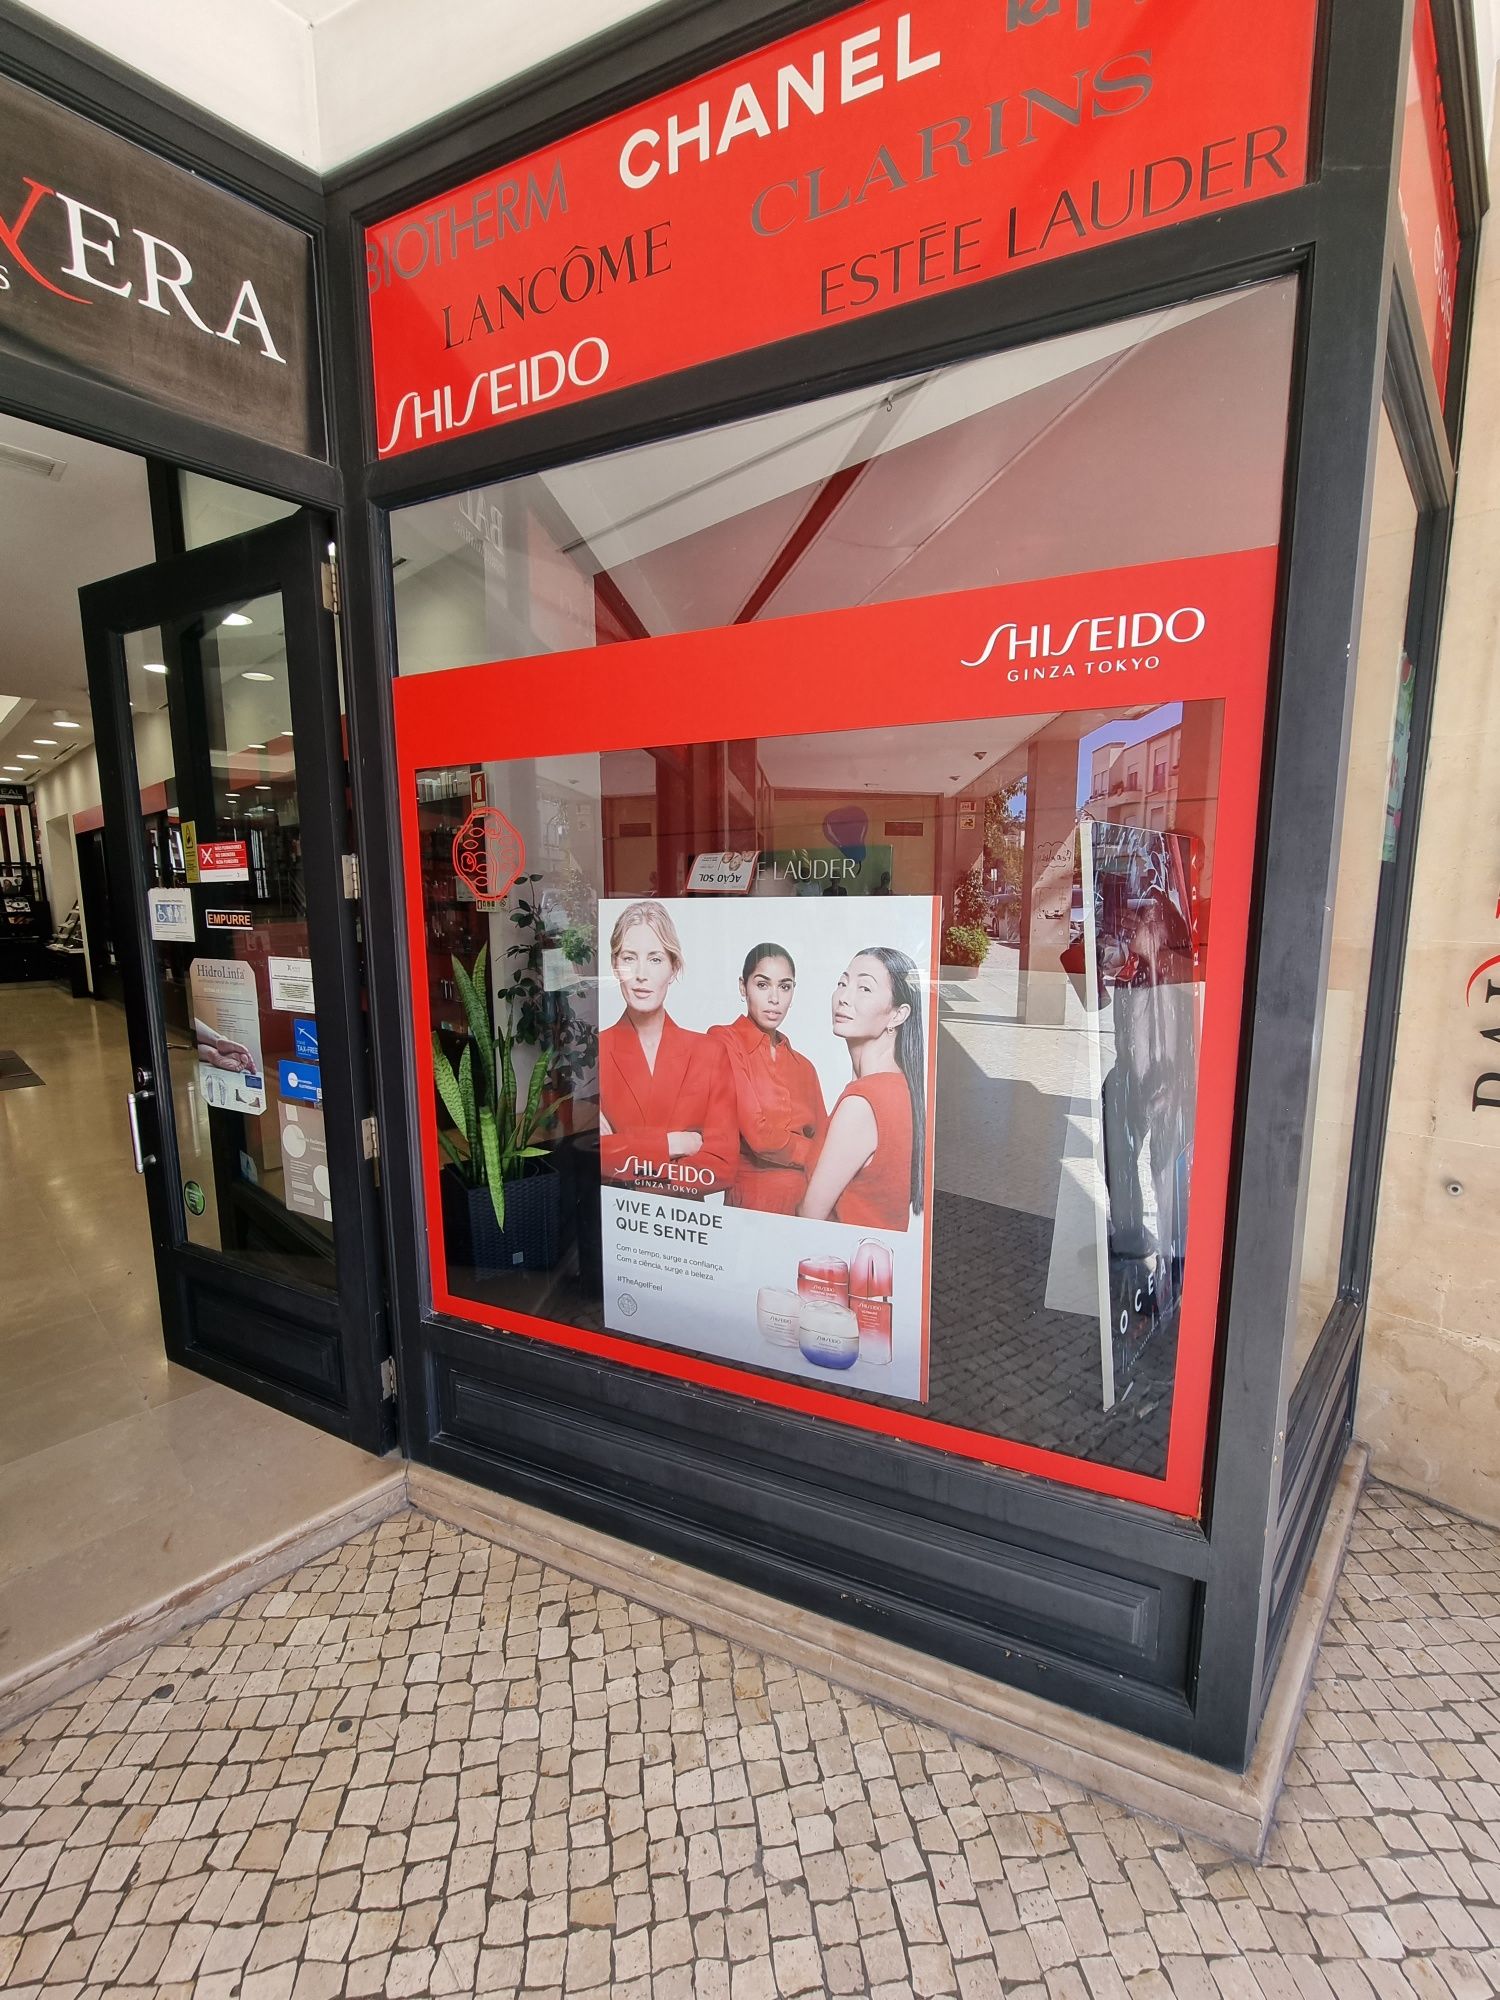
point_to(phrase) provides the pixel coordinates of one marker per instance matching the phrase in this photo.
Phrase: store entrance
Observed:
(234, 932)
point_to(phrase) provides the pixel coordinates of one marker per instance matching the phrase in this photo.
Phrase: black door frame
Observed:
(312, 1353)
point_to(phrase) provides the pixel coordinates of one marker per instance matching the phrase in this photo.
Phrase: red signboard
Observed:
(893, 152)
(1429, 207)
(1170, 632)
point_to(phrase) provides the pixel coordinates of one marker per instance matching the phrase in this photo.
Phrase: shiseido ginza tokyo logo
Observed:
(94, 255)
(1115, 642)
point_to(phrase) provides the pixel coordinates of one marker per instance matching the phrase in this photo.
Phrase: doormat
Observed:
(15, 1074)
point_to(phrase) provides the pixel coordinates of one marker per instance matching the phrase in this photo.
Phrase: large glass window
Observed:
(838, 985)
(1379, 733)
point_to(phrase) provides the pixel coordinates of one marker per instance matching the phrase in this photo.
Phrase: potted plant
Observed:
(500, 1196)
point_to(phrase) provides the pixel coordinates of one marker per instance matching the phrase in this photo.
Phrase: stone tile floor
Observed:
(424, 1764)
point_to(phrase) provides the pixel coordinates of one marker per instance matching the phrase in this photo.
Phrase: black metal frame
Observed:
(315, 1354)
(1167, 1626)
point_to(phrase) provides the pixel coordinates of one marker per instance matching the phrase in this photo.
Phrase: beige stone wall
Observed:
(1430, 1393)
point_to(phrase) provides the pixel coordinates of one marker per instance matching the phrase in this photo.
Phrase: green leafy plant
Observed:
(494, 1134)
(965, 944)
(549, 1019)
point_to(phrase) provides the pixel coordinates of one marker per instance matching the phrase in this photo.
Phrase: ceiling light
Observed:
(235, 618)
(263, 788)
(255, 746)
(28, 757)
(255, 675)
(152, 667)
(46, 742)
(62, 722)
(231, 795)
(12, 767)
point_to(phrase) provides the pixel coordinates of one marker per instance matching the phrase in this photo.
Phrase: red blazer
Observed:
(782, 1117)
(690, 1090)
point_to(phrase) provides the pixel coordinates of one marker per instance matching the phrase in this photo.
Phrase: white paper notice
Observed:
(291, 985)
(171, 916)
(226, 1025)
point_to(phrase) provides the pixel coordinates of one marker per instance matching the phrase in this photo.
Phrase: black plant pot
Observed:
(531, 1238)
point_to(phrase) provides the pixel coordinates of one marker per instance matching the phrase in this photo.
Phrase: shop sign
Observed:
(1429, 205)
(131, 271)
(226, 1027)
(223, 861)
(830, 1300)
(171, 916)
(892, 153)
(728, 874)
(229, 920)
(300, 1082)
(291, 984)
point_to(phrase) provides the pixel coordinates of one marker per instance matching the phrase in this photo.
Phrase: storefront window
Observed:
(1380, 732)
(839, 986)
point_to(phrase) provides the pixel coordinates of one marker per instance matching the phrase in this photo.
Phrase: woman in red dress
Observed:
(666, 1100)
(870, 1171)
(778, 1099)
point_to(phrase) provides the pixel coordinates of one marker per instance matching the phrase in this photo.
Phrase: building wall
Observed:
(1430, 1390)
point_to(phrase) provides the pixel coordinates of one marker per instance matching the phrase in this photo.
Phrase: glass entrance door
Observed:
(214, 680)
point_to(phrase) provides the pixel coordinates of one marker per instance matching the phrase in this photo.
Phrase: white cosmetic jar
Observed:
(778, 1314)
(829, 1334)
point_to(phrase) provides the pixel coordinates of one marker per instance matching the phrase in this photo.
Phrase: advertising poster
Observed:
(226, 1027)
(766, 1083)
(304, 1160)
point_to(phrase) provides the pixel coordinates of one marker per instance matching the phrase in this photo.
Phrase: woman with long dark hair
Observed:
(870, 1171)
(778, 1098)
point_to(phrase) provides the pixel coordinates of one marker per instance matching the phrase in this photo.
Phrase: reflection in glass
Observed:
(1379, 730)
(212, 717)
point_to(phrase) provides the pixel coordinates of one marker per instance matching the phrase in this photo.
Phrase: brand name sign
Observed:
(897, 151)
(151, 279)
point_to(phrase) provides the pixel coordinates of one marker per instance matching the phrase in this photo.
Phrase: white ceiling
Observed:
(91, 518)
(327, 80)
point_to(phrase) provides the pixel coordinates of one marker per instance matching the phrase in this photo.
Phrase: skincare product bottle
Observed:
(871, 1282)
(824, 1278)
(778, 1314)
(829, 1334)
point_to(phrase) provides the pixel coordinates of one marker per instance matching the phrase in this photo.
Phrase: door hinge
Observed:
(369, 1133)
(351, 878)
(388, 1379)
(330, 571)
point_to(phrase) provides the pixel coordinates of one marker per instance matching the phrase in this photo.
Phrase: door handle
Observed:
(142, 1160)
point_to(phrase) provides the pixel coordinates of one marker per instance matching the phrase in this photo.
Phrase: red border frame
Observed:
(910, 660)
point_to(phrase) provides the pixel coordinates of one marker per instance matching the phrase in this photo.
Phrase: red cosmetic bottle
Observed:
(824, 1278)
(871, 1283)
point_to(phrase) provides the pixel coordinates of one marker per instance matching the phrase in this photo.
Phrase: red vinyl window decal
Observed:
(1020, 1260)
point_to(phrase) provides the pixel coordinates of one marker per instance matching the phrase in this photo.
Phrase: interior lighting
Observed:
(263, 788)
(255, 675)
(255, 746)
(152, 667)
(235, 618)
(28, 757)
(62, 722)
(12, 767)
(46, 742)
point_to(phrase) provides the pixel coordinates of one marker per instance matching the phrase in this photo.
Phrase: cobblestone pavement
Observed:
(426, 1765)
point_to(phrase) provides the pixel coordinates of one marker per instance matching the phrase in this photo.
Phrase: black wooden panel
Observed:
(1104, 1636)
(299, 1354)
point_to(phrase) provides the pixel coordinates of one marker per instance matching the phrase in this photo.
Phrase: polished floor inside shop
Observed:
(124, 1479)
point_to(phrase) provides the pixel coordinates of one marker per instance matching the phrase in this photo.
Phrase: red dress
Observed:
(782, 1117)
(690, 1090)
(879, 1196)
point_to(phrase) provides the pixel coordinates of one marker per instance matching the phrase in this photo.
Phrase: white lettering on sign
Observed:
(861, 70)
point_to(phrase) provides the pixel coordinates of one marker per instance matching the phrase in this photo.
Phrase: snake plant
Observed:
(493, 1134)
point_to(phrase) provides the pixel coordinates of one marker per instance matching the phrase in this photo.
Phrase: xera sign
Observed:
(128, 269)
(900, 149)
